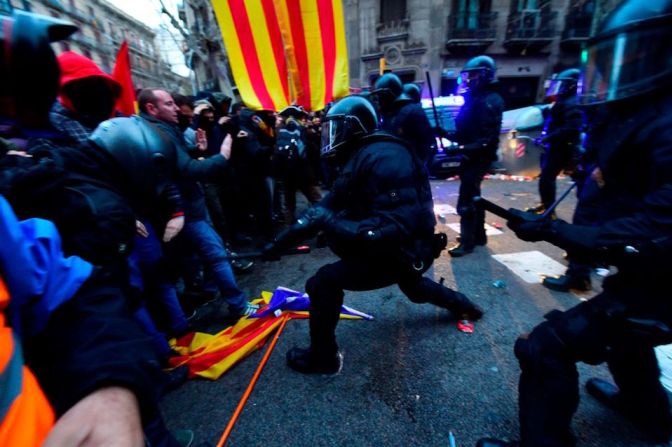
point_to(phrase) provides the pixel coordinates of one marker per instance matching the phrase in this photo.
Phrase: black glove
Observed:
(531, 227)
(315, 217)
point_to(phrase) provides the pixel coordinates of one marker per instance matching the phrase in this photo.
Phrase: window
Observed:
(468, 12)
(392, 11)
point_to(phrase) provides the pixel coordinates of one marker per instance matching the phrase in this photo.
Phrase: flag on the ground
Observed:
(210, 356)
(126, 103)
(285, 51)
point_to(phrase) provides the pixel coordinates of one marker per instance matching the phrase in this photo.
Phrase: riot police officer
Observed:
(379, 219)
(477, 138)
(412, 90)
(561, 134)
(402, 116)
(561, 139)
(629, 71)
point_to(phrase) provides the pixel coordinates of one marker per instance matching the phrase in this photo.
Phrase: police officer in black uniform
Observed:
(379, 220)
(629, 69)
(561, 134)
(561, 138)
(477, 138)
(412, 90)
(402, 116)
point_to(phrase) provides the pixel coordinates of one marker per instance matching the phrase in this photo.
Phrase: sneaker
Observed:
(250, 309)
(306, 362)
(175, 377)
(184, 438)
(241, 265)
(538, 209)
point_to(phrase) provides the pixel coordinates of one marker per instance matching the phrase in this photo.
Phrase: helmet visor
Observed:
(554, 88)
(333, 136)
(468, 80)
(625, 65)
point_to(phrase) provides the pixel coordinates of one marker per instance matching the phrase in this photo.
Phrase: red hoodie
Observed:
(74, 67)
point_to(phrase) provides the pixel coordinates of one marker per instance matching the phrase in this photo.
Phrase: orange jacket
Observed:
(25, 414)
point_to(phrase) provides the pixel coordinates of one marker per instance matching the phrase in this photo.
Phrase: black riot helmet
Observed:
(412, 90)
(29, 73)
(347, 121)
(476, 74)
(630, 54)
(389, 91)
(564, 84)
(145, 156)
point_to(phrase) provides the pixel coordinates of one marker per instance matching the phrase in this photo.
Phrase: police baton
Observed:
(298, 250)
(436, 113)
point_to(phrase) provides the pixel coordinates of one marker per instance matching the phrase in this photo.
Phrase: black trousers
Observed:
(592, 332)
(472, 219)
(552, 164)
(326, 288)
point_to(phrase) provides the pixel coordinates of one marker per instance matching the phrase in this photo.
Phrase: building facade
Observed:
(529, 40)
(204, 50)
(102, 29)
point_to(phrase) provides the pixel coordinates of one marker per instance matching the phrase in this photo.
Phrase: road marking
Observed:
(489, 229)
(444, 208)
(530, 265)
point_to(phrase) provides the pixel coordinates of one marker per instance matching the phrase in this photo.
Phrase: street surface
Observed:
(409, 376)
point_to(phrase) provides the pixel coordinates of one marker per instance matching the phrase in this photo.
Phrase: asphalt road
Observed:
(409, 376)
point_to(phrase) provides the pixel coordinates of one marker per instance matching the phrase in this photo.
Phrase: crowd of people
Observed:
(115, 229)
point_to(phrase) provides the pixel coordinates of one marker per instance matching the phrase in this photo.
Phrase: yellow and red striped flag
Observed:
(285, 52)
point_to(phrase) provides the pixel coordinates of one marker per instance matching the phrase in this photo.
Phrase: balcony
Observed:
(530, 30)
(576, 32)
(392, 31)
(471, 32)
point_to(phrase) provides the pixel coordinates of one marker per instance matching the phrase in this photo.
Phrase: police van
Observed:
(518, 153)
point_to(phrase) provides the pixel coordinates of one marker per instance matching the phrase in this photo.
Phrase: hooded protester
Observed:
(87, 96)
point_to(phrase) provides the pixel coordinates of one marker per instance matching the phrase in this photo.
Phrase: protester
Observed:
(96, 366)
(158, 108)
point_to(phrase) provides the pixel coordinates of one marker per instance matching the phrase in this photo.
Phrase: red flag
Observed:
(126, 103)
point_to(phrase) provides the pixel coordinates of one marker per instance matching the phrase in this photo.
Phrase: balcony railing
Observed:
(472, 26)
(531, 25)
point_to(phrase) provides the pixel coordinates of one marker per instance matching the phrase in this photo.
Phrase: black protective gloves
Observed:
(313, 220)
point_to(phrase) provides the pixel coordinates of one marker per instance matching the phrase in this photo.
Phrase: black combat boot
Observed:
(307, 362)
(460, 250)
(564, 283)
(656, 427)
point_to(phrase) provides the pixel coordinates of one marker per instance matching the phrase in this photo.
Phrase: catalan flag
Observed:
(285, 52)
(211, 355)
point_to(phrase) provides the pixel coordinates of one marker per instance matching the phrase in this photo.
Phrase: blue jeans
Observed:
(148, 274)
(204, 239)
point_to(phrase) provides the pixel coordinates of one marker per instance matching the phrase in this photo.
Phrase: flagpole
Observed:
(250, 387)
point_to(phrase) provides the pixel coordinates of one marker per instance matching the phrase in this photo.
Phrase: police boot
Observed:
(306, 361)
(564, 283)
(491, 442)
(656, 427)
(460, 250)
